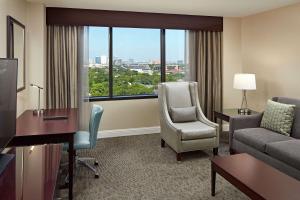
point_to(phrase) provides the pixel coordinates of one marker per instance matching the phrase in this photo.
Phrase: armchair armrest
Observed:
(243, 121)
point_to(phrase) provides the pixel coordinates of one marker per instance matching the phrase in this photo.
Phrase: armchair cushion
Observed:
(195, 130)
(258, 138)
(187, 114)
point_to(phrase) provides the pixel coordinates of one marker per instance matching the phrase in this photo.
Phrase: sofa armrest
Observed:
(243, 121)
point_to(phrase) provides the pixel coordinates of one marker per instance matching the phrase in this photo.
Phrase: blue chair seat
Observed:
(81, 141)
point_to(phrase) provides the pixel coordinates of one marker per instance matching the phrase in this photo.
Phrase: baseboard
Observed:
(137, 131)
(128, 132)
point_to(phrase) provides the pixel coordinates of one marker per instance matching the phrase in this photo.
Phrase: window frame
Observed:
(110, 96)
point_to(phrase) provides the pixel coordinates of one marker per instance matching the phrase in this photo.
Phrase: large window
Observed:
(130, 62)
(136, 61)
(175, 55)
(98, 61)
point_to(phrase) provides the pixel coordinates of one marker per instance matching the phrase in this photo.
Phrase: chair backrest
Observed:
(96, 114)
(178, 94)
(296, 124)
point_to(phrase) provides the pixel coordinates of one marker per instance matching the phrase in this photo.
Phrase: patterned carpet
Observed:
(136, 167)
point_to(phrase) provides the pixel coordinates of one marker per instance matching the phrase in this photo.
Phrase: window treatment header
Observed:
(87, 17)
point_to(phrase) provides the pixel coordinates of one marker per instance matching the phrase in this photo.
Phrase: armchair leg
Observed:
(231, 151)
(179, 156)
(162, 143)
(215, 150)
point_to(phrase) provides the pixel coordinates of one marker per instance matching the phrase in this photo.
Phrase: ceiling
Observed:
(226, 8)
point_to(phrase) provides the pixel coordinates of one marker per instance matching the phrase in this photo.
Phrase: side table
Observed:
(226, 114)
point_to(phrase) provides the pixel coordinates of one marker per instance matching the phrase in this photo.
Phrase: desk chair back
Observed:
(96, 114)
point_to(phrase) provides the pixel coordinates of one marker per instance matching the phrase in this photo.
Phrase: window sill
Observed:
(116, 98)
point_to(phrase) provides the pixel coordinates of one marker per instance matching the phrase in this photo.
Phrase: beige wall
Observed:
(36, 51)
(232, 61)
(126, 114)
(16, 9)
(33, 17)
(271, 50)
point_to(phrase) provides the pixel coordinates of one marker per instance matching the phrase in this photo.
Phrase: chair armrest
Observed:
(243, 121)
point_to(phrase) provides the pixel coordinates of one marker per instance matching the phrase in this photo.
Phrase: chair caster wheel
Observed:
(96, 175)
(96, 163)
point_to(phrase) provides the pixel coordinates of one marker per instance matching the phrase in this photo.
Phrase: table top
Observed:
(29, 124)
(234, 112)
(32, 174)
(259, 177)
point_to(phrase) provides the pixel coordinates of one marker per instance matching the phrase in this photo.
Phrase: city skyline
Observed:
(144, 47)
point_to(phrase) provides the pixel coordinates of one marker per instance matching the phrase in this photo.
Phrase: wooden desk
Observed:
(34, 130)
(32, 174)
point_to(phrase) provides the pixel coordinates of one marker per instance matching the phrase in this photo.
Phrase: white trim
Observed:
(128, 132)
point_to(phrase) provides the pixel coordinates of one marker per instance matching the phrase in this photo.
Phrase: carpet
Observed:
(136, 167)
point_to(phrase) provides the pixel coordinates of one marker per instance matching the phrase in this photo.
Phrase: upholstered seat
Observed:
(195, 130)
(285, 151)
(81, 141)
(179, 102)
(258, 138)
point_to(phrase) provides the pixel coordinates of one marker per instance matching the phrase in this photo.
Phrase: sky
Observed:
(136, 43)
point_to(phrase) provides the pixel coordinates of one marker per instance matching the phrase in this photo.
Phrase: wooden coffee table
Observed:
(254, 178)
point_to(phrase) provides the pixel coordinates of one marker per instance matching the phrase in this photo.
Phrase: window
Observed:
(98, 61)
(127, 63)
(175, 55)
(136, 61)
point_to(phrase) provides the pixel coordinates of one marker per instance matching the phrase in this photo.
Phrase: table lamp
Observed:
(38, 111)
(244, 82)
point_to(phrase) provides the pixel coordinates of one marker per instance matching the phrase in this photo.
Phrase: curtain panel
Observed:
(62, 66)
(205, 62)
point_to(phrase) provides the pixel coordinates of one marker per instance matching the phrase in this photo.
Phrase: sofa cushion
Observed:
(258, 137)
(285, 151)
(278, 117)
(296, 124)
(195, 130)
(187, 114)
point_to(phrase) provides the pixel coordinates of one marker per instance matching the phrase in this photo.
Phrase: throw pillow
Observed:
(278, 117)
(186, 114)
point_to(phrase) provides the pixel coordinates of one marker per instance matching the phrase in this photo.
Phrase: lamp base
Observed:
(244, 111)
(38, 112)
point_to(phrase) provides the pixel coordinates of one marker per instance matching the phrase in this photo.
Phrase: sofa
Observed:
(280, 151)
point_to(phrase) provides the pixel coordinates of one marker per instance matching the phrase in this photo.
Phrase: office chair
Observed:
(87, 140)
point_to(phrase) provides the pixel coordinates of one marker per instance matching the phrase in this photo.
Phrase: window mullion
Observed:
(163, 54)
(110, 62)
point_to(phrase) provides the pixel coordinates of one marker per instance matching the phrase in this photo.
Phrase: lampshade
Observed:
(244, 82)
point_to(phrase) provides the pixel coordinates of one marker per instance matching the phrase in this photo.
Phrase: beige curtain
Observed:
(205, 58)
(62, 66)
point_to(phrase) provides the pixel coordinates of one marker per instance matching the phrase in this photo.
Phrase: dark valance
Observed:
(88, 17)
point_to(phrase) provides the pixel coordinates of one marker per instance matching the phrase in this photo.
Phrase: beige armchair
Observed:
(198, 134)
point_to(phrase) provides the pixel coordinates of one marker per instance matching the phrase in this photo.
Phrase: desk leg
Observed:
(213, 181)
(71, 161)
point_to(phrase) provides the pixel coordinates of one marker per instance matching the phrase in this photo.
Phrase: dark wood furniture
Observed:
(32, 174)
(34, 130)
(254, 178)
(227, 113)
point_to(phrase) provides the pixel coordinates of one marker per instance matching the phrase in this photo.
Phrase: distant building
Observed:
(103, 60)
(130, 61)
(97, 60)
(180, 62)
(141, 68)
